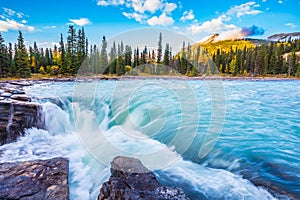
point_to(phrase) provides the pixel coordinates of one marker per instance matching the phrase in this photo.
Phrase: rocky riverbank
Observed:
(130, 179)
(17, 112)
(41, 179)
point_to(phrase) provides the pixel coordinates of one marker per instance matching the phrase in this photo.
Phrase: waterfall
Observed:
(90, 134)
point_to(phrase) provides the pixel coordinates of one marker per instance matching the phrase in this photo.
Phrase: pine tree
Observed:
(292, 63)
(262, 61)
(232, 66)
(22, 58)
(36, 57)
(103, 56)
(112, 59)
(166, 60)
(62, 61)
(273, 56)
(298, 71)
(81, 49)
(279, 68)
(128, 55)
(238, 63)
(56, 60)
(136, 60)
(120, 68)
(4, 58)
(48, 58)
(32, 60)
(71, 50)
(13, 67)
(159, 49)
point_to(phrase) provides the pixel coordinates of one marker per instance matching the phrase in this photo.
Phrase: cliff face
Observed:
(15, 116)
(42, 179)
(17, 112)
(131, 180)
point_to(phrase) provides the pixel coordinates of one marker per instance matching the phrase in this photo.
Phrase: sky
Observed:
(43, 21)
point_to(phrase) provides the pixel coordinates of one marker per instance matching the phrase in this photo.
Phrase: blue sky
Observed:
(43, 21)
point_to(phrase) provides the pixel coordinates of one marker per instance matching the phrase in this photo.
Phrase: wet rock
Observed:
(16, 111)
(17, 92)
(6, 95)
(42, 179)
(16, 116)
(131, 180)
(21, 83)
(20, 98)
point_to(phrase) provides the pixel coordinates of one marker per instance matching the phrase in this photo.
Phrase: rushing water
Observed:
(236, 139)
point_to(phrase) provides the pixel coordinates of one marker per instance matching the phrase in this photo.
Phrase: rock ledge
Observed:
(41, 179)
(131, 180)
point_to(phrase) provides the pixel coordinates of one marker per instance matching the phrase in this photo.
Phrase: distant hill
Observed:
(284, 37)
(278, 55)
(226, 45)
(212, 44)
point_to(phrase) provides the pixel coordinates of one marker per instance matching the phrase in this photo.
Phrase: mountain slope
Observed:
(285, 36)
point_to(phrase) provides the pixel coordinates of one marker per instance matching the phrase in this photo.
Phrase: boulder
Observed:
(130, 179)
(41, 179)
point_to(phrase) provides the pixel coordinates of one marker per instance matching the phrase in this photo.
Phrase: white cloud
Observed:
(291, 25)
(232, 34)
(140, 6)
(9, 11)
(280, 2)
(147, 5)
(102, 3)
(47, 44)
(20, 15)
(244, 9)
(138, 17)
(23, 21)
(110, 2)
(81, 21)
(169, 7)
(153, 12)
(187, 15)
(9, 24)
(162, 20)
(264, 0)
(221, 24)
(212, 26)
(49, 27)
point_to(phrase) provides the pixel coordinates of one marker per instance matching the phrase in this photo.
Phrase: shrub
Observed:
(42, 70)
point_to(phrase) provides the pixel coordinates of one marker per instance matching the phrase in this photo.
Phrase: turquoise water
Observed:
(216, 140)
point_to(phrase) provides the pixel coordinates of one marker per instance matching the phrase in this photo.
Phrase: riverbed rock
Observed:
(41, 179)
(20, 98)
(21, 83)
(6, 95)
(130, 179)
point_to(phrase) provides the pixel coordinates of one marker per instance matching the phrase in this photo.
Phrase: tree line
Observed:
(75, 55)
(274, 58)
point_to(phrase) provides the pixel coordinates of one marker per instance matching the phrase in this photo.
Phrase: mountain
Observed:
(225, 45)
(284, 37)
(210, 39)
